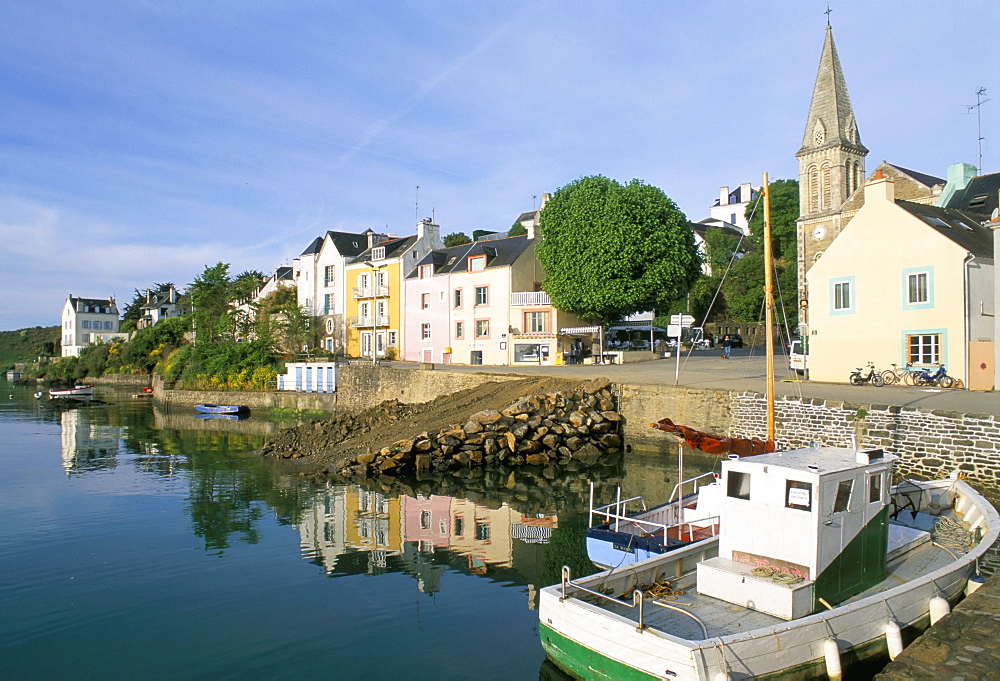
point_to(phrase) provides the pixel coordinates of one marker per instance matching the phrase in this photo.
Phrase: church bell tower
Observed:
(831, 163)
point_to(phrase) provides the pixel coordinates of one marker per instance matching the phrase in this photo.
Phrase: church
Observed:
(893, 267)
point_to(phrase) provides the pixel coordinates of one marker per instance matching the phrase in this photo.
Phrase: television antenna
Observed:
(978, 106)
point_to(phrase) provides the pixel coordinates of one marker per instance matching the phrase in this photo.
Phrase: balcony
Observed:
(377, 291)
(527, 298)
(369, 322)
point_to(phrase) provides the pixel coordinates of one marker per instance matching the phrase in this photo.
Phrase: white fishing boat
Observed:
(818, 563)
(75, 391)
(627, 531)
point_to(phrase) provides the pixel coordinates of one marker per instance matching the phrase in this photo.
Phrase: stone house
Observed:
(904, 282)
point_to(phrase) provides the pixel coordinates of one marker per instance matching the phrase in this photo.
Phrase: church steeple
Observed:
(831, 158)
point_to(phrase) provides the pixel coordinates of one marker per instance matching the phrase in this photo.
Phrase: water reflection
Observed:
(88, 445)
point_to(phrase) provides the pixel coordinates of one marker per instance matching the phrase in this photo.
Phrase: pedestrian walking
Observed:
(727, 346)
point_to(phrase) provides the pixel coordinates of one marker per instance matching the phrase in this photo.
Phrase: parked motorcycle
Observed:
(938, 377)
(866, 375)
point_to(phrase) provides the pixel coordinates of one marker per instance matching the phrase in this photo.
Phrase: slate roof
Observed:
(702, 226)
(980, 197)
(922, 178)
(498, 252)
(394, 247)
(348, 243)
(78, 303)
(965, 229)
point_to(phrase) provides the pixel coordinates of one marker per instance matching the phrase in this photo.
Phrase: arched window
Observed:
(825, 186)
(814, 198)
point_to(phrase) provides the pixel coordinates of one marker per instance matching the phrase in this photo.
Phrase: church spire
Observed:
(831, 118)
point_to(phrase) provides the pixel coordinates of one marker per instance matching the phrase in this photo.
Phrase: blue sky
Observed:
(141, 141)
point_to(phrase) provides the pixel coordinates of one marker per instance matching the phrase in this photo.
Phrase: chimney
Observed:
(172, 295)
(880, 188)
(746, 192)
(430, 233)
(723, 196)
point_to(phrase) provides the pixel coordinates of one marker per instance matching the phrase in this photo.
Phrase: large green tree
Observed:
(609, 250)
(456, 239)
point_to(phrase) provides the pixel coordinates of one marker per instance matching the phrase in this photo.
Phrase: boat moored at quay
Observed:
(818, 563)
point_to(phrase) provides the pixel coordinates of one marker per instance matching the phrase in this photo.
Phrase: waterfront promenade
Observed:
(746, 371)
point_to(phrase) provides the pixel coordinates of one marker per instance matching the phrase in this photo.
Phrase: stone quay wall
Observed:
(567, 427)
(929, 444)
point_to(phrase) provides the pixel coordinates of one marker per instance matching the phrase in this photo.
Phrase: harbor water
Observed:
(145, 544)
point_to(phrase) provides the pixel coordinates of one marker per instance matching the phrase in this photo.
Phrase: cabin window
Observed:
(875, 488)
(798, 495)
(738, 485)
(843, 498)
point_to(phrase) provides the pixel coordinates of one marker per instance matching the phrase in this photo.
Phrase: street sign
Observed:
(682, 319)
(673, 331)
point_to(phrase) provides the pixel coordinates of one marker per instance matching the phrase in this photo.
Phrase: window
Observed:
(328, 303)
(425, 301)
(425, 520)
(482, 531)
(459, 329)
(918, 288)
(365, 310)
(391, 339)
(425, 331)
(426, 271)
(366, 344)
(110, 325)
(482, 295)
(329, 275)
(482, 328)
(536, 322)
(923, 348)
(528, 352)
(458, 297)
(378, 253)
(843, 498)
(85, 324)
(738, 485)
(875, 488)
(477, 264)
(85, 338)
(842, 296)
(459, 526)
(798, 495)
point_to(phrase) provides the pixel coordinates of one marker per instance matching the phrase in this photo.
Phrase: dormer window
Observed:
(426, 271)
(378, 253)
(477, 263)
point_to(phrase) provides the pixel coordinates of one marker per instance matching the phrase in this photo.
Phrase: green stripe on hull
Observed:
(859, 566)
(582, 662)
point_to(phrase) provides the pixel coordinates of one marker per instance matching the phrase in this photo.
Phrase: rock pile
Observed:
(580, 425)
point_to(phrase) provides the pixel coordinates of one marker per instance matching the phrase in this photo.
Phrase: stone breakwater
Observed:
(573, 426)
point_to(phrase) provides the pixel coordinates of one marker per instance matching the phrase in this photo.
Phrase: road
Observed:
(747, 371)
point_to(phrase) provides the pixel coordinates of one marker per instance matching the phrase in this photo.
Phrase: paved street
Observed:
(746, 371)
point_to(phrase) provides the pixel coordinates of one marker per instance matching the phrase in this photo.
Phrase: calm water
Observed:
(136, 544)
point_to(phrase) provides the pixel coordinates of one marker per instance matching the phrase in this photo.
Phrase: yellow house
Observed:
(903, 283)
(374, 306)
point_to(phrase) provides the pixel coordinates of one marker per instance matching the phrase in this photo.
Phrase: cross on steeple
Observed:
(827, 13)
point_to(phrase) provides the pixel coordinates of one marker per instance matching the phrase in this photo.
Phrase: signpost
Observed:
(677, 321)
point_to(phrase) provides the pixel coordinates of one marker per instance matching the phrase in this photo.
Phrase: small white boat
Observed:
(75, 391)
(817, 561)
(626, 531)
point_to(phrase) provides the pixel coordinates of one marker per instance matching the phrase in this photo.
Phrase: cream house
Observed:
(86, 321)
(902, 283)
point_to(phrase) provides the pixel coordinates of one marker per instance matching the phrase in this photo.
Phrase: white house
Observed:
(159, 306)
(86, 321)
(904, 283)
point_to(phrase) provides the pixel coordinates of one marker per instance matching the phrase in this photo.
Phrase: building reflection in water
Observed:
(88, 446)
(422, 536)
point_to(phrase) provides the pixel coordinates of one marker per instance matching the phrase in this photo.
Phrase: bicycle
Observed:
(897, 375)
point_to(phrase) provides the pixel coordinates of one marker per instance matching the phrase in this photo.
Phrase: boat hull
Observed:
(220, 409)
(78, 391)
(590, 641)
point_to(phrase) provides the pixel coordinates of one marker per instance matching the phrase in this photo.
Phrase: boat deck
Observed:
(721, 618)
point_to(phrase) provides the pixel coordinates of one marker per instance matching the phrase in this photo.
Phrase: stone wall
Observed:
(929, 444)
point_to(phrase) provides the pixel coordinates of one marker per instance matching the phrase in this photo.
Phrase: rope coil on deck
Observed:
(951, 534)
(780, 577)
(661, 590)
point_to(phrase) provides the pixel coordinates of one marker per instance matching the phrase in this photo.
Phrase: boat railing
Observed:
(678, 490)
(637, 596)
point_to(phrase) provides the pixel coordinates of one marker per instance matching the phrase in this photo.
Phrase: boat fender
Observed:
(938, 608)
(831, 654)
(975, 581)
(893, 640)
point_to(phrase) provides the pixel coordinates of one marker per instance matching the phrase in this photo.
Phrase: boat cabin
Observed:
(801, 530)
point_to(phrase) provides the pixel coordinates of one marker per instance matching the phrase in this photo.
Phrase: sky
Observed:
(141, 141)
